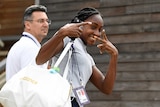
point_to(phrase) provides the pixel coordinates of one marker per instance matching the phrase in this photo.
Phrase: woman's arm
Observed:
(55, 44)
(106, 83)
(49, 49)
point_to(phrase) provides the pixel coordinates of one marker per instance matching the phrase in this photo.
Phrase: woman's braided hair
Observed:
(83, 14)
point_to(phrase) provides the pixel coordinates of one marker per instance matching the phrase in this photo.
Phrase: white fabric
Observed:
(21, 54)
(36, 87)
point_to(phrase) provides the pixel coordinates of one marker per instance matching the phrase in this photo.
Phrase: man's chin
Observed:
(45, 33)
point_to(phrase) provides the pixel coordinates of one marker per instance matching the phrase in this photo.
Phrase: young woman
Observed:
(82, 67)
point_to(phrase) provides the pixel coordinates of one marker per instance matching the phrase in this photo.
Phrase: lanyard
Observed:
(30, 38)
(76, 65)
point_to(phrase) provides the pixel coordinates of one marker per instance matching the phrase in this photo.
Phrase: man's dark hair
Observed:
(83, 14)
(28, 12)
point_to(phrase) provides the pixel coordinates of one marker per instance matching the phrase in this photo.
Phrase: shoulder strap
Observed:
(68, 48)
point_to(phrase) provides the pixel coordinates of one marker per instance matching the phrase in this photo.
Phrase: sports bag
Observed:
(38, 87)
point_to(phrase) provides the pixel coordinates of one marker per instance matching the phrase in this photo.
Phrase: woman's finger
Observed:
(99, 39)
(83, 23)
(104, 35)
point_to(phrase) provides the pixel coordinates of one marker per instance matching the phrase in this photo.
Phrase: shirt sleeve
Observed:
(92, 60)
(66, 40)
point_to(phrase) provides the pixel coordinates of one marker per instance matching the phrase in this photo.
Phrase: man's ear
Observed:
(27, 24)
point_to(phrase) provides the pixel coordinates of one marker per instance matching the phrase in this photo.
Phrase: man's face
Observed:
(38, 26)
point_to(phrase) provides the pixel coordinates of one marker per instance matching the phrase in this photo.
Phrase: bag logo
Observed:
(29, 80)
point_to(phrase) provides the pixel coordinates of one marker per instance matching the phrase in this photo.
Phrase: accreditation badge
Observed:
(81, 95)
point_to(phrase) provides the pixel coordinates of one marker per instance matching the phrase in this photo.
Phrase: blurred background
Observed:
(133, 26)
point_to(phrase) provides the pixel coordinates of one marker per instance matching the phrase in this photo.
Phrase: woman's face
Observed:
(91, 30)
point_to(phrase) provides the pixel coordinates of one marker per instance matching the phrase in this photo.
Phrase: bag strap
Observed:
(69, 49)
(67, 65)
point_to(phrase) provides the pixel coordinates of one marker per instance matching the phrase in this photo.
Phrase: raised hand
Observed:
(73, 29)
(105, 44)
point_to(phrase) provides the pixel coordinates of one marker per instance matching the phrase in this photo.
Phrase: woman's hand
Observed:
(105, 44)
(72, 29)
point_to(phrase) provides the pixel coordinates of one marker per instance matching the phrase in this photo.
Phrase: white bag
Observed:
(37, 87)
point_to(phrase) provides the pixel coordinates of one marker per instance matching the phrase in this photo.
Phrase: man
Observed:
(36, 25)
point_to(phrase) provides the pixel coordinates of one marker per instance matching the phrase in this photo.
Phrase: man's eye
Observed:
(41, 21)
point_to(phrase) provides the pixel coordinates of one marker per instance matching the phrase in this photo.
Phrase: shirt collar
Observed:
(31, 36)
